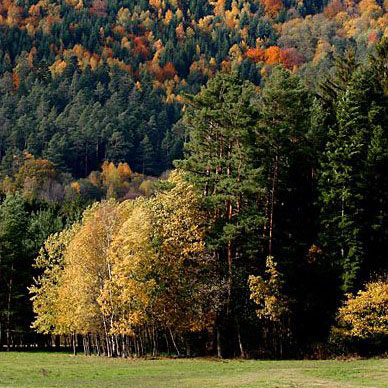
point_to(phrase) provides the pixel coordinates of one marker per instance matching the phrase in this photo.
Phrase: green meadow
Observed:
(43, 370)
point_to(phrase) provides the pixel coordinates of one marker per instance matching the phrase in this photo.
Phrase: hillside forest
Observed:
(194, 177)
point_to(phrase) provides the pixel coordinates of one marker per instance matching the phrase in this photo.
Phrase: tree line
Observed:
(275, 216)
(39, 199)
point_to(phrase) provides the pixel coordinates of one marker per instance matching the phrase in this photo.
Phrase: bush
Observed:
(363, 320)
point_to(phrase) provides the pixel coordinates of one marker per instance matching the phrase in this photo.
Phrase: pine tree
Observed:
(346, 175)
(220, 162)
(57, 151)
(14, 265)
(282, 149)
(148, 156)
(117, 150)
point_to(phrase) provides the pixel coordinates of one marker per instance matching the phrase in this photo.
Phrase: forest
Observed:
(194, 177)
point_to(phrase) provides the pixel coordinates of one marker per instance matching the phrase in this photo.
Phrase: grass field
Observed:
(43, 370)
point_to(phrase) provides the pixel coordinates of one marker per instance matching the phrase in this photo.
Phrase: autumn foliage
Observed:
(128, 269)
(272, 7)
(365, 314)
(289, 57)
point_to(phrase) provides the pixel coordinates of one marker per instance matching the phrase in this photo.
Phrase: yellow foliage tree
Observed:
(158, 265)
(365, 315)
(182, 260)
(129, 269)
(272, 305)
(126, 295)
(46, 288)
(115, 179)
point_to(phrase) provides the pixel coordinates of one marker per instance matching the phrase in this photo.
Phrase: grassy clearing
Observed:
(45, 370)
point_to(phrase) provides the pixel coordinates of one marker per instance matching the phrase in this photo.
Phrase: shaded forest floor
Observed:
(62, 370)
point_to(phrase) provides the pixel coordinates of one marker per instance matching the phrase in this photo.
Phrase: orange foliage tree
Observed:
(256, 54)
(272, 7)
(272, 55)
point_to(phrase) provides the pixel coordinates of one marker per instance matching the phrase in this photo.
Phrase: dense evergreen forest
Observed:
(194, 177)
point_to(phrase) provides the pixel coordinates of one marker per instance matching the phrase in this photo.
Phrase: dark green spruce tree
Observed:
(220, 160)
(352, 179)
(15, 268)
(285, 154)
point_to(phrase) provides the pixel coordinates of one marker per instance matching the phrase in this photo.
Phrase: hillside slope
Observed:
(88, 80)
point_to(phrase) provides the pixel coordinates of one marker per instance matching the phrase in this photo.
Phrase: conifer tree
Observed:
(14, 263)
(220, 162)
(283, 150)
(117, 150)
(148, 155)
(346, 176)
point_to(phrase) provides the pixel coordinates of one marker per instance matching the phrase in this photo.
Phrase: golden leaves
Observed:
(267, 293)
(127, 265)
(365, 314)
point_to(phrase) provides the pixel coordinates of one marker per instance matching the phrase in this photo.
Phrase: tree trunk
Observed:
(271, 218)
(73, 337)
(10, 286)
(240, 344)
(218, 340)
(167, 344)
(174, 343)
